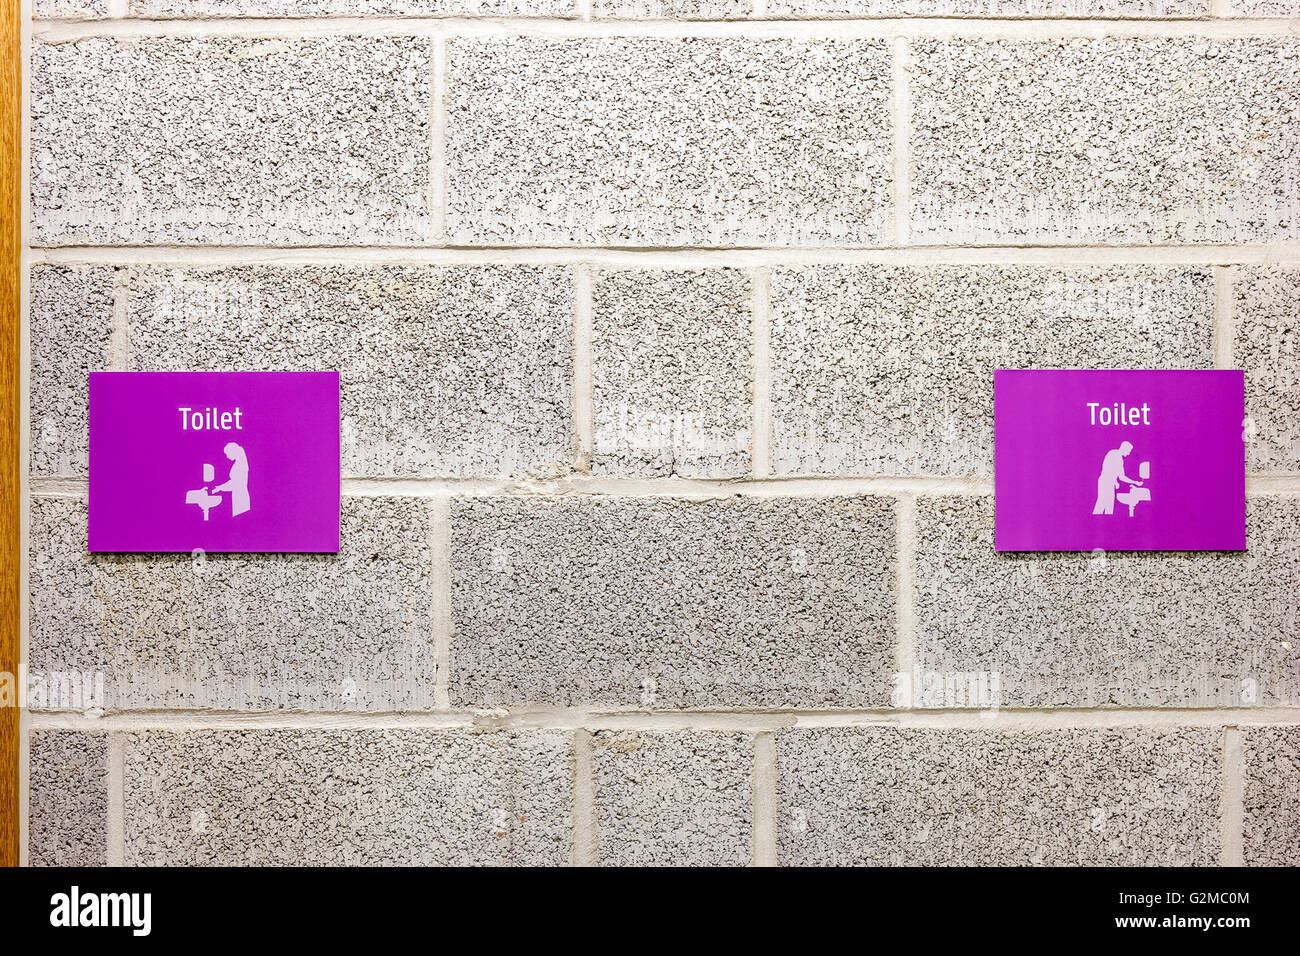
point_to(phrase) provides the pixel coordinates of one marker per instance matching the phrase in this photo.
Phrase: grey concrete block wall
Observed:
(663, 603)
(363, 797)
(67, 823)
(889, 796)
(649, 141)
(666, 331)
(889, 370)
(671, 379)
(1267, 337)
(455, 371)
(319, 140)
(344, 632)
(673, 798)
(1143, 629)
(1105, 141)
(1271, 775)
(70, 321)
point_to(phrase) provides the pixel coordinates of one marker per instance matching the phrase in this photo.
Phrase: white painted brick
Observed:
(670, 373)
(889, 370)
(662, 603)
(70, 323)
(889, 796)
(316, 632)
(664, 142)
(1267, 346)
(67, 821)
(673, 799)
(230, 140)
(1112, 141)
(1270, 781)
(348, 797)
(1132, 629)
(445, 371)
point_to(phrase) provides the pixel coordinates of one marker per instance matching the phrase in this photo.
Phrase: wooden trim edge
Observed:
(10, 418)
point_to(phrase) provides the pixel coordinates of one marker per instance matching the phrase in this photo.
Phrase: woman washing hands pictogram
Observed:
(237, 483)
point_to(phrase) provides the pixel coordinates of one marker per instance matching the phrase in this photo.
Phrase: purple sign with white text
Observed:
(1119, 460)
(216, 461)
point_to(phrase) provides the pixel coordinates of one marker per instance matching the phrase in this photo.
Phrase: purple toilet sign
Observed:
(218, 461)
(1119, 460)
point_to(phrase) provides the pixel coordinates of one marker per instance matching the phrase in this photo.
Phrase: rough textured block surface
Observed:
(68, 813)
(350, 8)
(667, 603)
(670, 373)
(230, 140)
(455, 371)
(69, 9)
(350, 631)
(1266, 321)
(1142, 629)
(1119, 140)
(348, 797)
(1271, 779)
(889, 796)
(663, 142)
(889, 370)
(673, 799)
(70, 323)
(987, 8)
(671, 9)
(1266, 8)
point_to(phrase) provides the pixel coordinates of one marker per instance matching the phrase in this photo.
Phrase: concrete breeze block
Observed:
(1271, 778)
(1266, 8)
(1139, 629)
(69, 9)
(667, 141)
(446, 371)
(67, 822)
(230, 140)
(240, 632)
(669, 603)
(671, 9)
(70, 323)
(1266, 320)
(1115, 140)
(348, 797)
(889, 370)
(350, 8)
(893, 796)
(670, 373)
(790, 9)
(674, 798)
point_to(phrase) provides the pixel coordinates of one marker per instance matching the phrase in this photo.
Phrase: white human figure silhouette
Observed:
(237, 483)
(1112, 473)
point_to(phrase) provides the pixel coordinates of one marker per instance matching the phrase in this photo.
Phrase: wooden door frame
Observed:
(10, 414)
